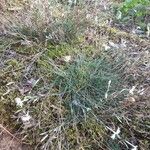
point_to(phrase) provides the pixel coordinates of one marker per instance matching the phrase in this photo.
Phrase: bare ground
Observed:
(10, 142)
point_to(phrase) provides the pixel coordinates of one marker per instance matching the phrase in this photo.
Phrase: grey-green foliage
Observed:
(83, 84)
(113, 145)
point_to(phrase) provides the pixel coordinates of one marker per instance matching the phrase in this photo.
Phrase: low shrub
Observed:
(135, 11)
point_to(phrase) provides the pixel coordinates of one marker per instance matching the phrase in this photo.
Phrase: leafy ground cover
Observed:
(72, 78)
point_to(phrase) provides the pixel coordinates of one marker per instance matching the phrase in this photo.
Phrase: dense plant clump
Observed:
(80, 93)
(72, 76)
(134, 10)
(42, 22)
(84, 85)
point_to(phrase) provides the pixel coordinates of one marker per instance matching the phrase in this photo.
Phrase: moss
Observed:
(8, 108)
(59, 50)
(13, 62)
(27, 51)
(84, 135)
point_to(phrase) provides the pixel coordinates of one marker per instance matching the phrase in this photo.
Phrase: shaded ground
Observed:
(8, 142)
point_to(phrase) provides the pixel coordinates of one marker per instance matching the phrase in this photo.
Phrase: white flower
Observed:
(18, 102)
(134, 147)
(25, 42)
(87, 16)
(123, 43)
(67, 58)
(106, 47)
(115, 133)
(88, 109)
(132, 90)
(26, 117)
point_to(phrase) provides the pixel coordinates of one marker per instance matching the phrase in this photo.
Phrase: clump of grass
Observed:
(68, 105)
(84, 84)
(75, 105)
(44, 21)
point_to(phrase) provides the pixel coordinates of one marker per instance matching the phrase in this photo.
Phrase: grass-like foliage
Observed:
(43, 21)
(81, 93)
(135, 11)
(67, 83)
(84, 84)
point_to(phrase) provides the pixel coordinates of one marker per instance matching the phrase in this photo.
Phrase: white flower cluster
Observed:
(23, 115)
(116, 135)
(19, 102)
(67, 58)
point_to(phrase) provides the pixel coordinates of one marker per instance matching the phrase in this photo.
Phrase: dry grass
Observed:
(68, 81)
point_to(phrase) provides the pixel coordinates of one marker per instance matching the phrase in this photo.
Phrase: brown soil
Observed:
(8, 142)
